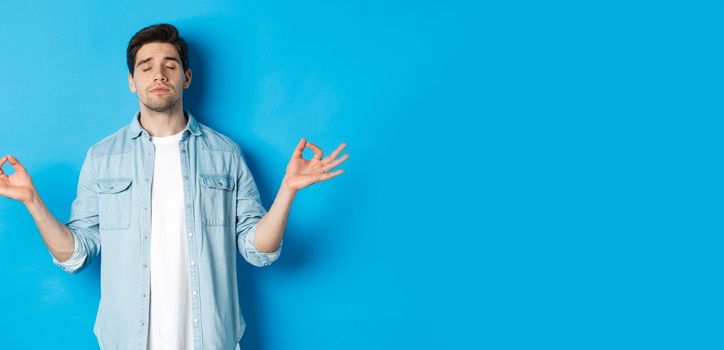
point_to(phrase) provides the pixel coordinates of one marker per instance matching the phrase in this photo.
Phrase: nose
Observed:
(159, 76)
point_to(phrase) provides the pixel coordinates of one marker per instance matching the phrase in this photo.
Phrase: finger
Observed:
(335, 163)
(317, 151)
(328, 176)
(335, 153)
(299, 149)
(16, 165)
(2, 161)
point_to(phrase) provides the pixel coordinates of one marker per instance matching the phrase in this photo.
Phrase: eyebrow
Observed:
(167, 58)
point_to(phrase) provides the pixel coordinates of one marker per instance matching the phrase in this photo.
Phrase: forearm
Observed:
(270, 229)
(57, 237)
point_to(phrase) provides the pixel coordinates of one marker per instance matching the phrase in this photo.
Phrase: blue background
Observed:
(522, 174)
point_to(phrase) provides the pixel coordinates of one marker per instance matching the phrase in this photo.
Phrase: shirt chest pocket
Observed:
(216, 196)
(114, 203)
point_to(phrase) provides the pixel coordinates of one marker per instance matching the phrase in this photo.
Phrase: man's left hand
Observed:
(302, 172)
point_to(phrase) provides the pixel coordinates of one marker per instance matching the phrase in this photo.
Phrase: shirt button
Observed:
(193, 263)
(194, 292)
(190, 234)
(142, 323)
(196, 320)
(146, 180)
(145, 237)
(145, 266)
(144, 295)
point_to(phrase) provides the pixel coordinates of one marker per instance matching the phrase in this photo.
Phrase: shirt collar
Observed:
(136, 129)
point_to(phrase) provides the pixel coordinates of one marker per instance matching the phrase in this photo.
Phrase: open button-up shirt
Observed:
(112, 210)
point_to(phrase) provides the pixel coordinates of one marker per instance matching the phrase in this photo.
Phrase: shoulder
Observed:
(115, 143)
(215, 141)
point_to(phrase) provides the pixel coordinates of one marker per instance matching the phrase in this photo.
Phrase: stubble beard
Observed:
(161, 103)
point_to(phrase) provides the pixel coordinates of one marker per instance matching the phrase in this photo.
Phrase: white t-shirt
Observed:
(170, 304)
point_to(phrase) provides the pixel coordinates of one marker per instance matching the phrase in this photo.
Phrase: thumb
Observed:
(15, 163)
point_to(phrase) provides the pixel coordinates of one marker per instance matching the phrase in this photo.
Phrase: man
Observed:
(171, 201)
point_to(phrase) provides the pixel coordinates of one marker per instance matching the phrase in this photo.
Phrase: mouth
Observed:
(160, 90)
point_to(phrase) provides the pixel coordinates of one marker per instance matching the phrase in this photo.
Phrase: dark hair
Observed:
(157, 33)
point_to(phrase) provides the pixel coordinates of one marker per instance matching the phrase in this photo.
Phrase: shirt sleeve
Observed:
(249, 211)
(83, 222)
(76, 259)
(255, 256)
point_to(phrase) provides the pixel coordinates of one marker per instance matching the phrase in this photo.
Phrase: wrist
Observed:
(36, 207)
(33, 200)
(285, 192)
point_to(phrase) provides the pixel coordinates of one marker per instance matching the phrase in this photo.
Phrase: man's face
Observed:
(158, 78)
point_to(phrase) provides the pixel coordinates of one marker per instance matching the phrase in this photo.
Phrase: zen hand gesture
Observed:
(17, 186)
(302, 173)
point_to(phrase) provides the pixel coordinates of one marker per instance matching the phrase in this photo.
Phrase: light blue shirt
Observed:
(112, 210)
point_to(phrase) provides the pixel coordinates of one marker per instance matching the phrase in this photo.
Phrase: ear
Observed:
(131, 83)
(187, 78)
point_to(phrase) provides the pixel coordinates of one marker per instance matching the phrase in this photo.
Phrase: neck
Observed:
(165, 123)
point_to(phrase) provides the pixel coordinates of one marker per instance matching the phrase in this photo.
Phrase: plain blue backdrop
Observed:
(522, 174)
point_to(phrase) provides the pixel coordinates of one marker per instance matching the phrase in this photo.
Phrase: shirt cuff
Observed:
(265, 259)
(76, 259)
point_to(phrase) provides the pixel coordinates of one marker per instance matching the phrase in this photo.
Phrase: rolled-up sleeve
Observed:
(83, 222)
(249, 211)
(75, 261)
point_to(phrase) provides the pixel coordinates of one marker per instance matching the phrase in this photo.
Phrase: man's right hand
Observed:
(17, 186)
